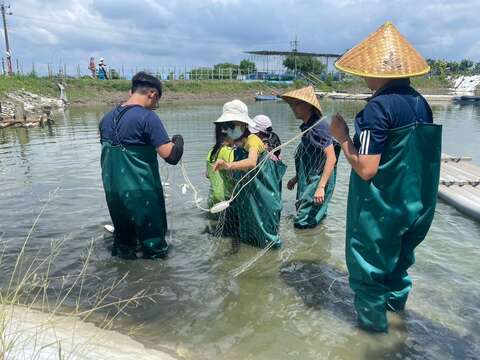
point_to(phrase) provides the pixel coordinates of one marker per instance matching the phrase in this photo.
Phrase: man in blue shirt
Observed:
(131, 136)
(395, 158)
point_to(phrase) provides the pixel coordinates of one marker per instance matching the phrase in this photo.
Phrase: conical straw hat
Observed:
(383, 54)
(306, 94)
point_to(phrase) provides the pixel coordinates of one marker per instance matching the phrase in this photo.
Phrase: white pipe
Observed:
(468, 205)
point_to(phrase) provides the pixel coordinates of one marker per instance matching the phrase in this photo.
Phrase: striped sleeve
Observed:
(372, 129)
(364, 142)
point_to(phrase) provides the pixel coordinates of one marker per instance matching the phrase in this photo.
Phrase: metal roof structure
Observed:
(287, 53)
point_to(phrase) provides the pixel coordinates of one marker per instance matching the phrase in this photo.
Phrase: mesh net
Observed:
(250, 210)
(255, 209)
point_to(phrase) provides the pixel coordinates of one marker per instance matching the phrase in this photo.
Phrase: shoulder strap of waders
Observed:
(411, 107)
(118, 117)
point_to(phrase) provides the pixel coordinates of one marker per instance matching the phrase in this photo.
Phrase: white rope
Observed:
(257, 168)
(247, 265)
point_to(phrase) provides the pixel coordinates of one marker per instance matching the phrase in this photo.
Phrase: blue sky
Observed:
(149, 33)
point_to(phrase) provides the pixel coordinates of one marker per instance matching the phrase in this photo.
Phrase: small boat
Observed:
(267, 98)
(460, 185)
(467, 99)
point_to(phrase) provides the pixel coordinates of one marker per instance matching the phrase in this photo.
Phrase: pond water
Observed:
(294, 303)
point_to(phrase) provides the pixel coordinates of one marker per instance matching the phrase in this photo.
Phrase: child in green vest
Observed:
(258, 203)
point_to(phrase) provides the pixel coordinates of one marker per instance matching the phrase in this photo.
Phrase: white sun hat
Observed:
(260, 123)
(234, 110)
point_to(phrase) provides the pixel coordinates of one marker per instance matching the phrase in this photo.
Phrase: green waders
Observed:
(135, 199)
(259, 204)
(387, 217)
(309, 165)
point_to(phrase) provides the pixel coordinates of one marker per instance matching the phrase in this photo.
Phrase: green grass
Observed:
(87, 88)
(41, 86)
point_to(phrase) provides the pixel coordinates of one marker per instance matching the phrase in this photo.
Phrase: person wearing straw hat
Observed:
(315, 160)
(257, 200)
(395, 158)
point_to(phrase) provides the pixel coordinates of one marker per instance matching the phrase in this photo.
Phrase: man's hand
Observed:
(291, 183)
(339, 128)
(319, 196)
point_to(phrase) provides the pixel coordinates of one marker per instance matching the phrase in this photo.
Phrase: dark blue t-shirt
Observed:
(137, 126)
(395, 105)
(318, 136)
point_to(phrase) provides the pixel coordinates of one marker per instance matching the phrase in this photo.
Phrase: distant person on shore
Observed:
(131, 136)
(92, 67)
(395, 158)
(102, 70)
(315, 160)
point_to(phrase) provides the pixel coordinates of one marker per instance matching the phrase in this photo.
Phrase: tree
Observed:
(305, 64)
(466, 66)
(247, 67)
(225, 71)
(476, 69)
(114, 75)
(202, 73)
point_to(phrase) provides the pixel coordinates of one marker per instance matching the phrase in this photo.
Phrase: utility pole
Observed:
(7, 44)
(294, 45)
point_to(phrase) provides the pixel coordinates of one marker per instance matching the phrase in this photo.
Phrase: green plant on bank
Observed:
(304, 64)
(32, 287)
(223, 71)
(87, 88)
(444, 68)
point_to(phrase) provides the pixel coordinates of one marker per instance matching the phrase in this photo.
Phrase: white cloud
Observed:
(189, 32)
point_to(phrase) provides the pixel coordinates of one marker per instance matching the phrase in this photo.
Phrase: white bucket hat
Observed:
(260, 123)
(234, 110)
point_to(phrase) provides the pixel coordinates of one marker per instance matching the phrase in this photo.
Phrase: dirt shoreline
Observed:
(168, 98)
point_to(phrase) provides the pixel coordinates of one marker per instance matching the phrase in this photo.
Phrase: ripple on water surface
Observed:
(294, 303)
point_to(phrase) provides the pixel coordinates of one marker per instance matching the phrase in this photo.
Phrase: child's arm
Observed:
(245, 164)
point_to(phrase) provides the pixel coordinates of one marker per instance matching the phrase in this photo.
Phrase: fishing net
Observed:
(257, 211)
(259, 206)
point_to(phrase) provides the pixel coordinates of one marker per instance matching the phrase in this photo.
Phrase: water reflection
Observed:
(326, 289)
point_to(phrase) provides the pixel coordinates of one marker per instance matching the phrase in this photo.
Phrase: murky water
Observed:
(295, 303)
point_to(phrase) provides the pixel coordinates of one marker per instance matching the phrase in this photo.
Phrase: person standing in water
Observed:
(258, 205)
(132, 135)
(262, 126)
(315, 160)
(221, 182)
(395, 157)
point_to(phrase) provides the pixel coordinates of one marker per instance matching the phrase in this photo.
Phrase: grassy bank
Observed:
(92, 90)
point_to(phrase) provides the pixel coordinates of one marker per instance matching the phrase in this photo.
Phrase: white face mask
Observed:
(235, 133)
